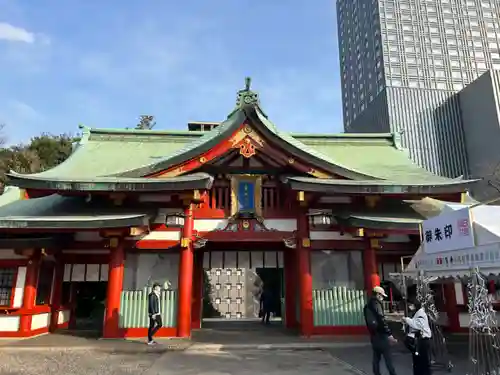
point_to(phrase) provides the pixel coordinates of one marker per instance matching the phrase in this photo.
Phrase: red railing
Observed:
(273, 200)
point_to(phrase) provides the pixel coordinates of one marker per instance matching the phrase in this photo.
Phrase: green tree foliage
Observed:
(51, 150)
(146, 122)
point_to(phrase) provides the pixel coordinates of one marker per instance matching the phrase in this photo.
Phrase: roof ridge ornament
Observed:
(246, 97)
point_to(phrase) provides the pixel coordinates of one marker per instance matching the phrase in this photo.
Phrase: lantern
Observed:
(175, 220)
(323, 219)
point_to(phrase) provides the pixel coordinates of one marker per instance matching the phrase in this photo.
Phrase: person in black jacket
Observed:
(154, 313)
(266, 304)
(380, 333)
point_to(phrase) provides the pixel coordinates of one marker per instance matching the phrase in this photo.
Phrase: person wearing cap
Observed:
(380, 334)
(154, 314)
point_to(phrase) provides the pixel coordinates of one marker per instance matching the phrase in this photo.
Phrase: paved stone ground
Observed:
(360, 359)
(70, 362)
(248, 362)
(188, 362)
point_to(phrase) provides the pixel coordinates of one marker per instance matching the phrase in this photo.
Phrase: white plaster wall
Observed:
(9, 323)
(459, 292)
(40, 321)
(63, 316)
(142, 270)
(284, 225)
(19, 289)
(86, 272)
(161, 236)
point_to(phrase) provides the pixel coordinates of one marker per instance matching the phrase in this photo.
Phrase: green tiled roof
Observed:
(376, 155)
(106, 152)
(383, 221)
(115, 152)
(56, 211)
(132, 154)
(10, 194)
(386, 215)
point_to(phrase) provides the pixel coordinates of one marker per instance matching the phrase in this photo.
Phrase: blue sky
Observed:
(103, 63)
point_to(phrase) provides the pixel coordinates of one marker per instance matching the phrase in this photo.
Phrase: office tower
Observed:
(401, 63)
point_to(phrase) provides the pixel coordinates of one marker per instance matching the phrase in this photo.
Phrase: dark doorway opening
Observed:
(272, 279)
(89, 304)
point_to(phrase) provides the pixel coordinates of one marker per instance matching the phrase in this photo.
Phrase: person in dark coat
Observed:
(266, 305)
(154, 313)
(380, 334)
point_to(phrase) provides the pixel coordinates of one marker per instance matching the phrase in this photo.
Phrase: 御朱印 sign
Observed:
(448, 231)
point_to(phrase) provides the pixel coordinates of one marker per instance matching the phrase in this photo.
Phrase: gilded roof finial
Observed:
(246, 96)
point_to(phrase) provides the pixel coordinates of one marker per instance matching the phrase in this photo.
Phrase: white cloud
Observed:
(12, 33)
(23, 110)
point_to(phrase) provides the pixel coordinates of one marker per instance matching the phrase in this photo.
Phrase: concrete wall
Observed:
(479, 103)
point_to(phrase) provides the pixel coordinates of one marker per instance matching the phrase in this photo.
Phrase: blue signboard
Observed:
(246, 196)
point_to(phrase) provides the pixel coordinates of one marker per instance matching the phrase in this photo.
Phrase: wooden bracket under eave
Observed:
(374, 243)
(138, 231)
(372, 200)
(108, 233)
(114, 242)
(306, 242)
(301, 196)
(117, 198)
(191, 197)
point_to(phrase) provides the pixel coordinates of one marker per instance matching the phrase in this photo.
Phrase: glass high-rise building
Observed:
(401, 63)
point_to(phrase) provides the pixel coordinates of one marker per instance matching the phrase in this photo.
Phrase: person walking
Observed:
(154, 313)
(419, 335)
(380, 334)
(266, 303)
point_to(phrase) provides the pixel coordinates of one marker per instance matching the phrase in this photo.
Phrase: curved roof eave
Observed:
(377, 186)
(196, 181)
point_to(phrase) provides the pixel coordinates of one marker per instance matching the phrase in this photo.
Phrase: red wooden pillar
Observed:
(305, 277)
(29, 294)
(372, 279)
(185, 276)
(451, 307)
(289, 259)
(197, 290)
(115, 286)
(56, 294)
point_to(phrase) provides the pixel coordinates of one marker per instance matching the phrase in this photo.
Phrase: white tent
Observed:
(484, 252)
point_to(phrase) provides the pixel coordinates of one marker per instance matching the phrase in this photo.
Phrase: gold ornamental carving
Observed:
(247, 140)
(318, 174)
